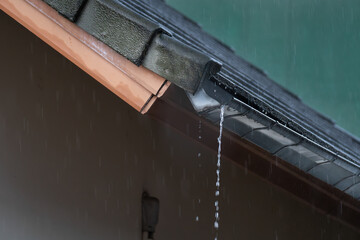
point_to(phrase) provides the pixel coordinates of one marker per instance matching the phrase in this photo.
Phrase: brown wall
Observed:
(75, 159)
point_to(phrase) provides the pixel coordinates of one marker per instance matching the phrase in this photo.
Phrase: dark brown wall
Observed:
(75, 159)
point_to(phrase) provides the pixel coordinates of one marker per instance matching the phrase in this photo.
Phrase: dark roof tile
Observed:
(118, 27)
(67, 8)
(181, 64)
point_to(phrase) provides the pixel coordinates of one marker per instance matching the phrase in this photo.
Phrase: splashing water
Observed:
(217, 192)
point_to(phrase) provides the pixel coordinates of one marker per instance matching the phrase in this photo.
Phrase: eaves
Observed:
(138, 86)
(136, 48)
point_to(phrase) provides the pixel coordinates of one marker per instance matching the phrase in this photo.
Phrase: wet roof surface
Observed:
(152, 34)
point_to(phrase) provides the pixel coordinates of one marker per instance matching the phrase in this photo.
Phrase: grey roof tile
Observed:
(268, 139)
(300, 156)
(67, 8)
(354, 191)
(181, 64)
(347, 182)
(118, 27)
(330, 172)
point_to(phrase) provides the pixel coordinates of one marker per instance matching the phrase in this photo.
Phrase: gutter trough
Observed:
(277, 139)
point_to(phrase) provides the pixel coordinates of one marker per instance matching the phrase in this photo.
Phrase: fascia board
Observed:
(135, 85)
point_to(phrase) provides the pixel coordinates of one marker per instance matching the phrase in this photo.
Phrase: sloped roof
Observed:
(262, 111)
(151, 34)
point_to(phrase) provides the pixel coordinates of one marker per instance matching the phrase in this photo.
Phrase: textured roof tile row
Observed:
(67, 8)
(140, 40)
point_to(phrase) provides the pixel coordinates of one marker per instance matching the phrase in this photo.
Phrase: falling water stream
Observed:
(217, 192)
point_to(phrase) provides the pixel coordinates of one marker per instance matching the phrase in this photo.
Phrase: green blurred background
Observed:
(311, 47)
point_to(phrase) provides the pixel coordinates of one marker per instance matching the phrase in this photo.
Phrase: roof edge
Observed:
(277, 139)
(135, 85)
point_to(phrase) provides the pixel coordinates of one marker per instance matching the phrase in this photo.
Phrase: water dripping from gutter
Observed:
(218, 165)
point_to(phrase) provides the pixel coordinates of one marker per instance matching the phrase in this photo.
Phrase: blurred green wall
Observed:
(310, 47)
